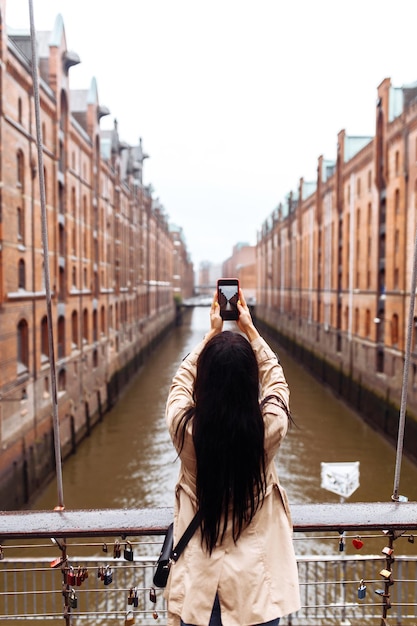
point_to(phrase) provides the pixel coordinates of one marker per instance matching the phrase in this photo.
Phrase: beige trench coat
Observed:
(256, 578)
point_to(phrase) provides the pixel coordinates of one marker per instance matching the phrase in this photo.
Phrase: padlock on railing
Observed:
(116, 550)
(152, 598)
(70, 578)
(135, 598)
(130, 618)
(108, 575)
(72, 599)
(361, 590)
(385, 573)
(128, 551)
(79, 578)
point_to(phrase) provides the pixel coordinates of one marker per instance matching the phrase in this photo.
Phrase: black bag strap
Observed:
(188, 533)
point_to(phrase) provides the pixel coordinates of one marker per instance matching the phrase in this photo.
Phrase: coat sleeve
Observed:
(274, 396)
(180, 396)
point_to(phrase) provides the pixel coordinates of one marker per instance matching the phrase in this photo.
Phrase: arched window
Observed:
(20, 171)
(44, 339)
(20, 225)
(74, 329)
(22, 345)
(62, 285)
(21, 281)
(61, 242)
(95, 325)
(103, 320)
(62, 380)
(85, 326)
(61, 337)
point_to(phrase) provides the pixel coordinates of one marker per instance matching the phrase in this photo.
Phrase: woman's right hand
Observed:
(216, 321)
(244, 321)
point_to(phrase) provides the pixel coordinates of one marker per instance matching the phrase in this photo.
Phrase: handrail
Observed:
(390, 516)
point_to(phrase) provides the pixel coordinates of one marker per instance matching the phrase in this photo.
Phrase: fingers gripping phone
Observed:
(227, 297)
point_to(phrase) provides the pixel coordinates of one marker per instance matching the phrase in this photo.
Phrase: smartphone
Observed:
(227, 297)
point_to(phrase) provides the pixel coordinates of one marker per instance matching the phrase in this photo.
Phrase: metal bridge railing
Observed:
(357, 565)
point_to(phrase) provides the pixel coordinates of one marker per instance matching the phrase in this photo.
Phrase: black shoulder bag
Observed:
(169, 554)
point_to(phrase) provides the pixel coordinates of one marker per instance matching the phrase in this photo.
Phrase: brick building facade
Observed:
(242, 265)
(114, 262)
(335, 259)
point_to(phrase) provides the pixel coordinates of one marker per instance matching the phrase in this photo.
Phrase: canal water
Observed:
(128, 461)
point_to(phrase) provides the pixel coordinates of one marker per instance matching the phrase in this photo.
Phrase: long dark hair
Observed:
(228, 434)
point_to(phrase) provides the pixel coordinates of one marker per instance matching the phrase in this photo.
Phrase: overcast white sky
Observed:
(235, 99)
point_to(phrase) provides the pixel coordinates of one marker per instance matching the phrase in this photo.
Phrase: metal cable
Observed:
(44, 225)
(404, 390)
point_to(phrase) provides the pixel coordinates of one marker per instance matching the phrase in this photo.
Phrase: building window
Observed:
(19, 111)
(62, 380)
(61, 199)
(85, 326)
(397, 201)
(61, 337)
(21, 275)
(367, 323)
(95, 326)
(397, 163)
(22, 345)
(74, 329)
(62, 290)
(396, 278)
(44, 339)
(61, 243)
(103, 320)
(74, 276)
(20, 225)
(20, 170)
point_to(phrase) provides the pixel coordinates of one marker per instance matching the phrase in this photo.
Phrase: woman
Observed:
(227, 413)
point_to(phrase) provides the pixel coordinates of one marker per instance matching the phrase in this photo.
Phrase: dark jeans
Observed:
(216, 619)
